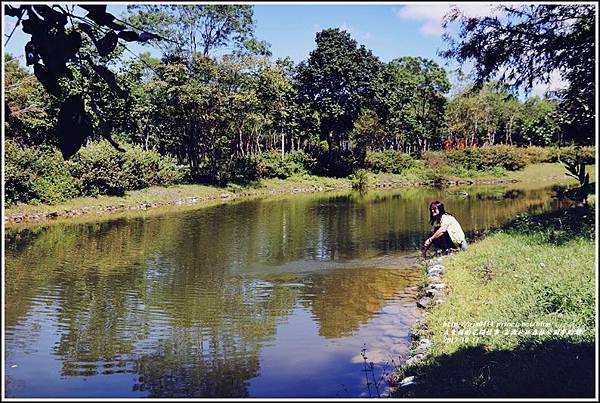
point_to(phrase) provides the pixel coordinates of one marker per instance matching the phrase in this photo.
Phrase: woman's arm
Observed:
(440, 231)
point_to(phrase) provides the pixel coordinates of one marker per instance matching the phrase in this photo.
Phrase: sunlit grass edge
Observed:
(538, 271)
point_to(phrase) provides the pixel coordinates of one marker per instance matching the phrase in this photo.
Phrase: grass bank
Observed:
(534, 173)
(182, 195)
(171, 196)
(519, 315)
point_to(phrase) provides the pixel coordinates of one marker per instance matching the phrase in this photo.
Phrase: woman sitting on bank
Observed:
(447, 232)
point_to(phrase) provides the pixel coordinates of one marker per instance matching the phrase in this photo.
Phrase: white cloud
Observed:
(556, 83)
(432, 14)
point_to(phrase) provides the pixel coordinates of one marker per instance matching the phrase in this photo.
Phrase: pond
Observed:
(273, 297)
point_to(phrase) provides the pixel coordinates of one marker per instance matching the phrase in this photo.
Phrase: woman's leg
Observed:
(444, 242)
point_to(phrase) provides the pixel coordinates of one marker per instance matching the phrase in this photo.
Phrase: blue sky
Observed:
(389, 30)
(291, 28)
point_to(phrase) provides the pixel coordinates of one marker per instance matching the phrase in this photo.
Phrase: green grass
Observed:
(548, 172)
(535, 173)
(148, 195)
(536, 270)
(168, 194)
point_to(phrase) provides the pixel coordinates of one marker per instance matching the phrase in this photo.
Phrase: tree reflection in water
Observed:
(185, 302)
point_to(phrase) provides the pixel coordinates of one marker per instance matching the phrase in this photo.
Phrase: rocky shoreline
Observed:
(225, 196)
(117, 208)
(109, 208)
(432, 293)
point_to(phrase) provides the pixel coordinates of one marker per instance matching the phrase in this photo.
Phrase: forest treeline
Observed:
(217, 108)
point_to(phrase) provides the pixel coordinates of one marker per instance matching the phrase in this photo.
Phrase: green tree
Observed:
(30, 113)
(421, 110)
(492, 99)
(133, 120)
(539, 125)
(276, 92)
(197, 28)
(339, 79)
(512, 110)
(464, 117)
(492, 115)
(527, 44)
(224, 110)
(187, 113)
(368, 133)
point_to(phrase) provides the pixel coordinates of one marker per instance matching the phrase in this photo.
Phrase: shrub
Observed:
(271, 165)
(434, 159)
(336, 162)
(99, 170)
(587, 154)
(503, 156)
(307, 162)
(170, 173)
(535, 155)
(390, 161)
(360, 179)
(36, 175)
(245, 168)
(148, 168)
(434, 175)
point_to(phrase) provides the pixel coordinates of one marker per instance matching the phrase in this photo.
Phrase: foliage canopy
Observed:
(528, 43)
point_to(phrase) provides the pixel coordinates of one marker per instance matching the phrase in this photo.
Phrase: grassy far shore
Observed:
(519, 315)
(193, 194)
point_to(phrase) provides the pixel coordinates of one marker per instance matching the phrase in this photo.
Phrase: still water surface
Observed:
(273, 297)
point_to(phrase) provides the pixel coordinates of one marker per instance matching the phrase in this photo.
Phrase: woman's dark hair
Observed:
(440, 207)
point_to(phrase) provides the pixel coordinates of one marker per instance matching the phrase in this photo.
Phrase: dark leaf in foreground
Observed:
(65, 47)
(107, 44)
(48, 79)
(146, 36)
(33, 25)
(73, 127)
(88, 30)
(13, 11)
(115, 26)
(109, 77)
(98, 9)
(51, 16)
(129, 36)
(101, 18)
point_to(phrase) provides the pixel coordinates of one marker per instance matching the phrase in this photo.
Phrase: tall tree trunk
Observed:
(474, 133)
(510, 126)
(240, 140)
